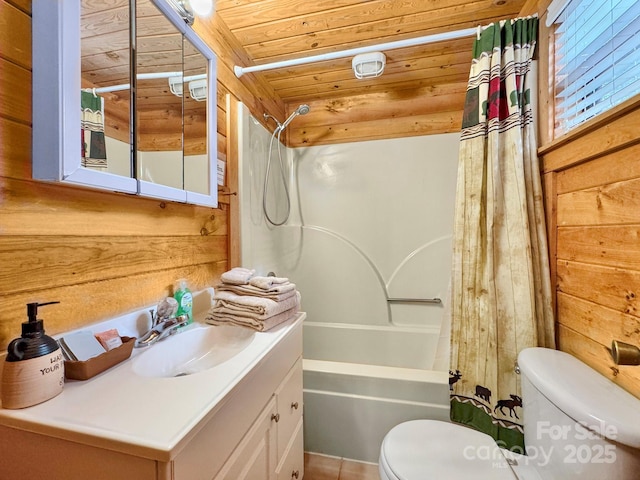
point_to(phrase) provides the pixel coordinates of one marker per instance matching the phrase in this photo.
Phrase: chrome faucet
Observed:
(163, 323)
(161, 329)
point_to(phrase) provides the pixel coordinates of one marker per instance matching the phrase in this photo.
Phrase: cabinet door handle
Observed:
(294, 405)
(295, 474)
(275, 417)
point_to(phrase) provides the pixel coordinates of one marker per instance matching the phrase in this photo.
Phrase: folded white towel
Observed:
(275, 289)
(237, 276)
(277, 296)
(255, 307)
(266, 283)
(260, 325)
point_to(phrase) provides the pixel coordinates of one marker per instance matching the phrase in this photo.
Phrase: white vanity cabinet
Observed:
(255, 457)
(253, 431)
(272, 449)
(289, 426)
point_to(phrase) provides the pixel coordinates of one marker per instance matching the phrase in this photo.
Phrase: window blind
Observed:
(597, 58)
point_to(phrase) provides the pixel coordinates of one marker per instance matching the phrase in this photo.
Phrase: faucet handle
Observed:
(166, 309)
(154, 318)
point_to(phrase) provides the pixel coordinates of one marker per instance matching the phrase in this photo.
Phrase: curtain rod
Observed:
(437, 37)
(146, 76)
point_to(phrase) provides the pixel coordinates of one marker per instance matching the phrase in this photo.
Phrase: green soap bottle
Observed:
(184, 298)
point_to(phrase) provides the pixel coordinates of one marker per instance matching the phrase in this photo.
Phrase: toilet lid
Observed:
(431, 449)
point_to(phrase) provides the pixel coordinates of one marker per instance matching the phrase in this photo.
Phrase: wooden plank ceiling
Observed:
(422, 88)
(273, 30)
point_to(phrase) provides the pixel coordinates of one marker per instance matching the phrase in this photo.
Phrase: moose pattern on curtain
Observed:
(501, 291)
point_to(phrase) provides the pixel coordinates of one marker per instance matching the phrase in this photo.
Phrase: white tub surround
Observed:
(123, 425)
(349, 408)
(403, 347)
(369, 234)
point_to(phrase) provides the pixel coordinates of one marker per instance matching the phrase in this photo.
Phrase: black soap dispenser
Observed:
(34, 369)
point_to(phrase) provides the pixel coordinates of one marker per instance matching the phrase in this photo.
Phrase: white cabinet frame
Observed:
(56, 106)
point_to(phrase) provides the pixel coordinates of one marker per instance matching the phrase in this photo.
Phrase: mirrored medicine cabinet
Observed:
(124, 99)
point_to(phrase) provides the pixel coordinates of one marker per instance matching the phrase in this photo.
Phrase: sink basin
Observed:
(192, 351)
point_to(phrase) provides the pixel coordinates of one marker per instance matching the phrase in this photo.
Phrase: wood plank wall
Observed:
(99, 253)
(592, 192)
(593, 185)
(102, 253)
(391, 112)
(381, 115)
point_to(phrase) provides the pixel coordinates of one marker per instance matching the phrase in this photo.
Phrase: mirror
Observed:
(159, 99)
(196, 163)
(105, 99)
(136, 132)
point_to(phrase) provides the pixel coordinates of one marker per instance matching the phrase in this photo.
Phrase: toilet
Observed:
(577, 424)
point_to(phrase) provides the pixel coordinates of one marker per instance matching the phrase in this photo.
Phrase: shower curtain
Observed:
(501, 290)
(94, 153)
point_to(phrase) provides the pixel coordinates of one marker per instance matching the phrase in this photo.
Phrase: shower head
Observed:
(301, 110)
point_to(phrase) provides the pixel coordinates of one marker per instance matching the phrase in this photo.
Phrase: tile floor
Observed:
(322, 467)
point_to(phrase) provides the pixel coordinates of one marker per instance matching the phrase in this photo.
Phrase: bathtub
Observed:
(367, 387)
(368, 359)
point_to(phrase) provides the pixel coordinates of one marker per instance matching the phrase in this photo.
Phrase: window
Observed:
(597, 57)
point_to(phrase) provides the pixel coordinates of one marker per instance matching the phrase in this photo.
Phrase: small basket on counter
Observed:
(84, 370)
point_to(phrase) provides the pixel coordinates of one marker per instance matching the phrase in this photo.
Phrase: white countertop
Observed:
(146, 416)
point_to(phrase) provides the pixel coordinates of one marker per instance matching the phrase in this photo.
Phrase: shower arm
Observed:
(267, 117)
(301, 110)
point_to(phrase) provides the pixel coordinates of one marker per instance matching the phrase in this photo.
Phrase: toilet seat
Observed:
(432, 449)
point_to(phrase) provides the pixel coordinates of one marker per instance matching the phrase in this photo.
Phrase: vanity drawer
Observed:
(289, 403)
(292, 465)
(255, 457)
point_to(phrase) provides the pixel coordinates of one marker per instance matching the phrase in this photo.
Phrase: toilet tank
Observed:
(577, 423)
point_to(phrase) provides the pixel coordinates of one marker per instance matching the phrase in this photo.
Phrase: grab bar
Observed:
(433, 301)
